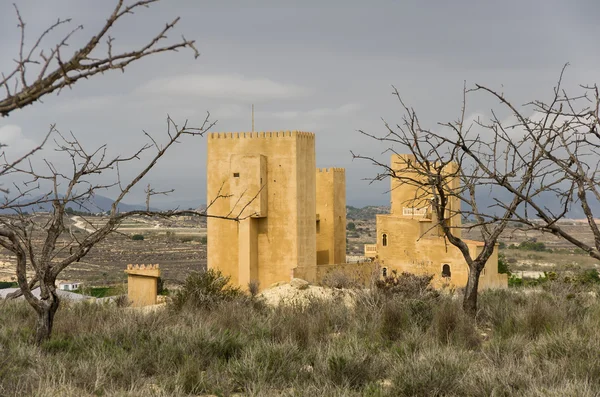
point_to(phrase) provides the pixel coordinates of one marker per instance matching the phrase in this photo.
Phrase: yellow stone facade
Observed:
(331, 216)
(142, 284)
(408, 239)
(270, 180)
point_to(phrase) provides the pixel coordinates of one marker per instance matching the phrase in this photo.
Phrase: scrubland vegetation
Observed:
(400, 339)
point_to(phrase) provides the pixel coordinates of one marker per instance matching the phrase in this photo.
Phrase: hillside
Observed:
(365, 213)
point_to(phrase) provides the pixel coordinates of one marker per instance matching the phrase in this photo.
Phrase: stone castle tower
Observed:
(410, 240)
(294, 215)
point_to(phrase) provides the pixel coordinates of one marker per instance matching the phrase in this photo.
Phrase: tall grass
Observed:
(532, 343)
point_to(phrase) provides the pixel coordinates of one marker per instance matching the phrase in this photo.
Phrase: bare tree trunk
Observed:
(470, 300)
(45, 319)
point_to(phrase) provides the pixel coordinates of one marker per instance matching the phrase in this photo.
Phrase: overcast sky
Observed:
(320, 66)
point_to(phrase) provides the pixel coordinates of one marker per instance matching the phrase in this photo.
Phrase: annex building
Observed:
(409, 240)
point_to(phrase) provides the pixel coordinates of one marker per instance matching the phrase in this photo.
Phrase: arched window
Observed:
(384, 272)
(384, 239)
(446, 270)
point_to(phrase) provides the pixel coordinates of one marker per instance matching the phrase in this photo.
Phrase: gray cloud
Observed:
(311, 65)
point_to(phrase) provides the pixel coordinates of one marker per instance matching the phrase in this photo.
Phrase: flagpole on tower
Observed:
(252, 117)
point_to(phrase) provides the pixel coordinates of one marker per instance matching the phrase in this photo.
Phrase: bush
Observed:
(433, 373)
(503, 267)
(254, 288)
(451, 326)
(205, 290)
(203, 240)
(160, 286)
(532, 246)
(137, 237)
(407, 285)
(353, 370)
(8, 284)
(589, 276)
(339, 279)
(351, 226)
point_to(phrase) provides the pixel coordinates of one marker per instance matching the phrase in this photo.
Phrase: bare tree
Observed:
(42, 263)
(461, 150)
(565, 130)
(41, 69)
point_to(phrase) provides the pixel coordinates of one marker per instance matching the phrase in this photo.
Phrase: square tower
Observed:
(268, 180)
(331, 212)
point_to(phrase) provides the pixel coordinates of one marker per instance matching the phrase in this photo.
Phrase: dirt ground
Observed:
(177, 246)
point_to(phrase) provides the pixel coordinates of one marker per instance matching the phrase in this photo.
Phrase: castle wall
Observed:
(286, 237)
(306, 206)
(407, 251)
(409, 200)
(331, 208)
(142, 284)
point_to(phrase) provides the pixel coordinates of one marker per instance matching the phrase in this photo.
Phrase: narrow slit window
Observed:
(384, 239)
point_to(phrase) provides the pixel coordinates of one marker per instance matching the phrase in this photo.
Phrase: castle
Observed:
(409, 238)
(293, 215)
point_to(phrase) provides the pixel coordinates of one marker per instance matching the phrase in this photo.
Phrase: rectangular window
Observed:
(236, 174)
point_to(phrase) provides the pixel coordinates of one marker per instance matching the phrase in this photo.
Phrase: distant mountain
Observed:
(96, 204)
(179, 204)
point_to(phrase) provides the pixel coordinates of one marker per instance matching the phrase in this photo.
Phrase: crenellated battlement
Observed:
(142, 267)
(262, 134)
(142, 284)
(333, 170)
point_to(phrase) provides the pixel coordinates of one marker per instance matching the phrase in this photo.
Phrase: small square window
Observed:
(236, 174)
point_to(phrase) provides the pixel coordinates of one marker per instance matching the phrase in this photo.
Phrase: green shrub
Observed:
(205, 290)
(203, 240)
(160, 286)
(532, 246)
(8, 284)
(137, 237)
(589, 276)
(503, 267)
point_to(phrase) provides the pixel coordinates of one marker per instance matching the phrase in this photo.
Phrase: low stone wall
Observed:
(363, 273)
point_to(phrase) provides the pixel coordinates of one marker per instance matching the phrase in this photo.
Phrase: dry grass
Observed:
(540, 343)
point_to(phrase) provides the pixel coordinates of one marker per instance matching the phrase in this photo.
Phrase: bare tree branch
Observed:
(38, 73)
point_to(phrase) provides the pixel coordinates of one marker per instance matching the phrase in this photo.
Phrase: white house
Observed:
(69, 286)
